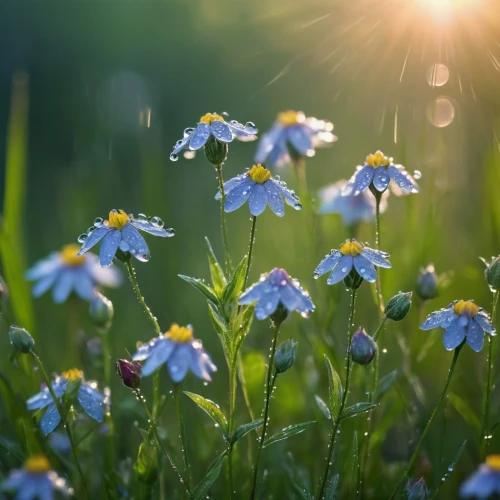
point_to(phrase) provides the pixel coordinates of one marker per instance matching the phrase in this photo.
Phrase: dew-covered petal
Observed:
(239, 194)
(365, 268)
(179, 362)
(180, 145)
(92, 402)
(258, 199)
(43, 284)
(268, 142)
(290, 197)
(230, 184)
(93, 238)
(50, 420)
(255, 292)
(221, 131)
(295, 299)
(442, 318)
(44, 268)
(146, 349)
(267, 304)
(475, 335)
(150, 228)
(109, 246)
(242, 132)
(15, 480)
(454, 335)
(341, 270)
(274, 198)
(484, 322)
(136, 243)
(376, 257)
(481, 485)
(199, 136)
(299, 137)
(328, 263)
(381, 178)
(361, 179)
(43, 398)
(403, 179)
(83, 284)
(158, 356)
(201, 363)
(63, 285)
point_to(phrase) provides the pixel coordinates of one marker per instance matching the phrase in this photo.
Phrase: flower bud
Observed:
(101, 311)
(21, 339)
(492, 273)
(279, 315)
(427, 283)
(416, 490)
(129, 372)
(353, 280)
(363, 347)
(285, 356)
(398, 306)
(216, 151)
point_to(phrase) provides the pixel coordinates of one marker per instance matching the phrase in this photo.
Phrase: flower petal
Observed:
(221, 131)
(381, 178)
(199, 136)
(295, 299)
(238, 195)
(150, 228)
(365, 268)
(255, 292)
(50, 420)
(475, 335)
(43, 398)
(290, 197)
(484, 322)
(230, 184)
(376, 257)
(158, 356)
(341, 270)
(269, 141)
(258, 199)
(267, 304)
(181, 144)
(403, 179)
(43, 284)
(93, 238)
(242, 132)
(136, 243)
(454, 335)
(359, 181)
(106, 276)
(92, 402)
(442, 318)
(146, 349)
(109, 246)
(44, 267)
(179, 362)
(328, 263)
(299, 137)
(63, 286)
(274, 198)
(83, 284)
(201, 363)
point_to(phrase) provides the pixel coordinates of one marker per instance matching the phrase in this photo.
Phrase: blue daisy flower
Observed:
(352, 255)
(277, 288)
(352, 209)
(261, 189)
(377, 172)
(89, 398)
(65, 272)
(216, 126)
(293, 135)
(485, 482)
(120, 231)
(35, 481)
(461, 320)
(180, 351)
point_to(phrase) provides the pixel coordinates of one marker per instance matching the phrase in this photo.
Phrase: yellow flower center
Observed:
(466, 308)
(72, 374)
(117, 219)
(350, 247)
(259, 174)
(179, 333)
(68, 255)
(378, 160)
(288, 118)
(211, 117)
(493, 462)
(37, 464)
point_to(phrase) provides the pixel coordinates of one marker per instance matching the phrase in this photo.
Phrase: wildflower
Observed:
(427, 283)
(120, 231)
(258, 186)
(377, 173)
(352, 209)
(35, 480)
(398, 306)
(363, 347)
(67, 272)
(21, 339)
(352, 254)
(180, 351)
(275, 289)
(492, 273)
(129, 372)
(416, 490)
(213, 125)
(485, 482)
(461, 320)
(89, 398)
(293, 135)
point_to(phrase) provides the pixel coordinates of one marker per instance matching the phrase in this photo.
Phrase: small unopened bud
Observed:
(216, 151)
(398, 306)
(285, 356)
(21, 339)
(492, 273)
(101, 310)
(353, 280)
(363, 347)
(427, 283)
(129, 372)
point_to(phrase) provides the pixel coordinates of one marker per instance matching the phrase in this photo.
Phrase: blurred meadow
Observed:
(93, 97)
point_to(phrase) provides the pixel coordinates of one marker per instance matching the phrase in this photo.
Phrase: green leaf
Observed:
(147, 465)
(335, 389)
(385, 384)
(465, 410)
(212, 474)
(235, 285)
(287, 432)
(451, 468)
(357, 409)
(354, 472)
(213, 411)
(71, 393)
(332, 488)
(240, 326)
(296, 482)
(218, 279)
(205, 289)
(244, 429)
(220, 327)
(323, 407)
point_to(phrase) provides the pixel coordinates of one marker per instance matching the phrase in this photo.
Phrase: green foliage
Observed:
(213, 411)
(288, 432)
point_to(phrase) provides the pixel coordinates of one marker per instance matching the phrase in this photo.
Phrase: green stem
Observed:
(227, 257)
(487, 393)
(250, 248)
(154, 428)
(232, 405)
(177, 397)
(429, 422)
(267, 397)
(343, 402)
(65, 422)
(378, 283)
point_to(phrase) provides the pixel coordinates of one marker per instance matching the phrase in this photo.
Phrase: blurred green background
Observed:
(108, 89)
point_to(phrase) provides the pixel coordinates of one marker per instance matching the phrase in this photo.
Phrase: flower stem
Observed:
(154, 428)
(59, 407)
(223, 228)
(429, 422)
(343, 401)
(267, 397)
(378, 284)
(232, 404)
(177, 397)
(487, 392)
(250, 248)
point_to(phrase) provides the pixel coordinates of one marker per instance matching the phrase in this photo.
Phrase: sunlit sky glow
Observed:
(446, 10)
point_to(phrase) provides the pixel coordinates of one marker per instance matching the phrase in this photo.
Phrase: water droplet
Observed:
(188, 131)
(250, 124)
(91, 229)
(98, 221)
(82, 237)
(417, 174)
(174, 157)
(156, 221)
